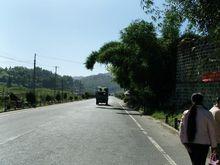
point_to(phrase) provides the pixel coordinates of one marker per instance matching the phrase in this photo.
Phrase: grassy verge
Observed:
(44, 97)
(166, 117)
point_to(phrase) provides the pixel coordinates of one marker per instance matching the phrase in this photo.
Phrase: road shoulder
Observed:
(166, 136)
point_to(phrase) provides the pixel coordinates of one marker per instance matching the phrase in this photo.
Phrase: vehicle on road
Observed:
(101, 95)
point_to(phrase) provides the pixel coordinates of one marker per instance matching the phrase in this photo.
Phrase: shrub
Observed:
(31, 98)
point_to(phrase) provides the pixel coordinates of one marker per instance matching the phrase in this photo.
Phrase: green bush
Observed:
(31, 98)
(48, 98)
(71, 98)
(58, 97)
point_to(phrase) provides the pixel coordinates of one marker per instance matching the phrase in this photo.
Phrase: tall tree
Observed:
(204, 15)
(137, 61)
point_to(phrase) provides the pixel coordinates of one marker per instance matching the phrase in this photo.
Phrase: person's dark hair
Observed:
(197, 99)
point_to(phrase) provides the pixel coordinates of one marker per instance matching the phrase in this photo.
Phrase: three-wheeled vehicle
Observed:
(101, 95)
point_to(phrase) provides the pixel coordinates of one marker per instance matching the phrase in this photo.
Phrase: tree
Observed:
(31, 98)
(71, 98)
(137, 61)
(22, 76)
(65, 96)
(48, 98)
(203, 15)
(58, 97)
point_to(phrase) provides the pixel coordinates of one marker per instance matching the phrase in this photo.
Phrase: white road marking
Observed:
(159, 148)
(23, 134)
(15, 137)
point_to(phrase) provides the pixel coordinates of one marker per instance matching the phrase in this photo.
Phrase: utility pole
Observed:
(62, 89)
(34, 80)
(9, 79)
(55, 81)
(3, 99)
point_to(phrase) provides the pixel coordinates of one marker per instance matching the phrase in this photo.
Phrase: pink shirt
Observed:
(216, 114)
(205, 133)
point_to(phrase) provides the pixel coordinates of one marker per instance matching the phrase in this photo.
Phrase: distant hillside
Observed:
(23, 77)
(91, 82)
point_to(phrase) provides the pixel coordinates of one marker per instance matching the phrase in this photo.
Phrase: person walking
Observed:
(215, 110)
(197, 132)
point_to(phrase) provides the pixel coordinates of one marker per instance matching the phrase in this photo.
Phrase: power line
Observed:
(13, 59)
(47, 57)
(26, 62)
(62, 59)
(40, 65)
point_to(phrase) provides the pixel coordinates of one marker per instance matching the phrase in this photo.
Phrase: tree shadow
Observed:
(110, 108)
(124, 113)
(103, 105)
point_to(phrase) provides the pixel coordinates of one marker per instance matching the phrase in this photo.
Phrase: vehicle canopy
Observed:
(102, 89)
(102, 95)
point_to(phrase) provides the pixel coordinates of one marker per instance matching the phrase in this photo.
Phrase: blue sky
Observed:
(61, 29)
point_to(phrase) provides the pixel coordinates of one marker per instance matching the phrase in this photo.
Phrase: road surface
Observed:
(81, 133)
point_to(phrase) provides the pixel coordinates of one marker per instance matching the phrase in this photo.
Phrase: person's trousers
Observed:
(218, 151)
(198, 153)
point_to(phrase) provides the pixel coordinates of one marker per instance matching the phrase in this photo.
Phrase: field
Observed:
(43, 95)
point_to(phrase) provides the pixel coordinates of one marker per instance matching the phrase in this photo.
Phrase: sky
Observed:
(61, 32)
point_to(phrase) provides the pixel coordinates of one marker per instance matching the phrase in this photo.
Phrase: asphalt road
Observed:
(81, 133)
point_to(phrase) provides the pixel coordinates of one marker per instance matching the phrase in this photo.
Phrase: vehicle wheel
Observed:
(97, 103)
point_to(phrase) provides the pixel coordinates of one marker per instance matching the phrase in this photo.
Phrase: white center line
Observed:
(159, 148)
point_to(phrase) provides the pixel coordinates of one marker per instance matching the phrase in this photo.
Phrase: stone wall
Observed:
(194, 59)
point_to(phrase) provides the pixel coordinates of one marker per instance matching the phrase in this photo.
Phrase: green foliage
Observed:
(21, 97)
(13, 97)
(90, 62)
(79, 85)
(171, 26)
(204, 16)
(31, 98)
(23, 77)
(48, 98)
(65, 96)
(71, 98)
(58, 97)
(91, 82)
(120, 95)
(87, 95)
(140, 62)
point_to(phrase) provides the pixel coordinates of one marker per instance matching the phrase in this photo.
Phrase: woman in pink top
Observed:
(197, 130)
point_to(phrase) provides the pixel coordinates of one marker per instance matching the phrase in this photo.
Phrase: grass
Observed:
(161, 115)
(41, 93)
(1, 109)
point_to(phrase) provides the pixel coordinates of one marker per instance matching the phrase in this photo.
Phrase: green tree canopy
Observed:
(137, 61)
(204, 15)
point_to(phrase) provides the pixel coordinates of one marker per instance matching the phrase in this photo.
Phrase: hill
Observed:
(23, 77)
(91, 82)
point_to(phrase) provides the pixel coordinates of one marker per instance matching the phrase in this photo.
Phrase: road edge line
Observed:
(158, 147)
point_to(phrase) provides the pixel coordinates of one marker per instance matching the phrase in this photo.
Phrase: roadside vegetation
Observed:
(14, 97)
(143, 59)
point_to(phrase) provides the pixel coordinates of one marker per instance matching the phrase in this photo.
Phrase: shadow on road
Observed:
(110, 108)
(134, 114)
(103, 105)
